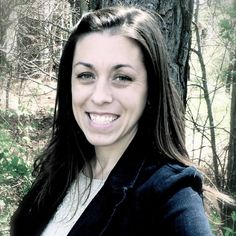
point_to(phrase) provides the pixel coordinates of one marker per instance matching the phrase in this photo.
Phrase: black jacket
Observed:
(145, 195)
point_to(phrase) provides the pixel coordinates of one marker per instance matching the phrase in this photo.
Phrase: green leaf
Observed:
(15, 161)
(225, 24)
(233, 216)
(229, 230)
(227, 233)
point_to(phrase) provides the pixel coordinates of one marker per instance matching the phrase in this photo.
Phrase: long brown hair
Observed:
(68, 150)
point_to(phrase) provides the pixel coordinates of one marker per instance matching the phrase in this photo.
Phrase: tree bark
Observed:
(75, 6)
(231, 166)
(231, 183)
(177, 15)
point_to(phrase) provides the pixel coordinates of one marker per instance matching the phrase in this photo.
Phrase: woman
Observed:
(116, 163)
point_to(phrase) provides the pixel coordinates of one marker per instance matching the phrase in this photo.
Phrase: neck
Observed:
(107, 157)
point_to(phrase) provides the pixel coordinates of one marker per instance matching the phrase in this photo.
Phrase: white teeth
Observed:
(102, 119)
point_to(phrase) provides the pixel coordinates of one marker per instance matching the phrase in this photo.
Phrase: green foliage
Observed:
(12, 165)
(21, 139)
(14, 176)
(227, 30)
(227, 26)
(231, 231)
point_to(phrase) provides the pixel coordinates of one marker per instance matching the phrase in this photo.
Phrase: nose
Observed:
(102, 92)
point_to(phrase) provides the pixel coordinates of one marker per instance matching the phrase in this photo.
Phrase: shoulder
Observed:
(172, 177)
(174, 193)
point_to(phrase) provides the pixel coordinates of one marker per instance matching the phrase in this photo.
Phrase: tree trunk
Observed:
(4, 17)
(231, 167)
(75, 6)
(177, 15)
(231, 183)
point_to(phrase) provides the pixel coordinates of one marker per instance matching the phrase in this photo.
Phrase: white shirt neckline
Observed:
(73, 205)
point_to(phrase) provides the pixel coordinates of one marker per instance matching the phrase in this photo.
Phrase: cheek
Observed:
(76, 109)
(136, 104)
(77, 95)
(142, 103)
(75, 99)
(141, 98)
(76, 103)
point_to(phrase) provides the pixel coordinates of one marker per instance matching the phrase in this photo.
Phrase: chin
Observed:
(100, 142)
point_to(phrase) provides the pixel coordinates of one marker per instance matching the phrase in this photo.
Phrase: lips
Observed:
(102, 119)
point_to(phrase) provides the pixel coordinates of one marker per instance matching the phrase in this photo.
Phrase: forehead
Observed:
(97, 44)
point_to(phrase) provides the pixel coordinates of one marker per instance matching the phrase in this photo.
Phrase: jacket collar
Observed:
(127, 169)
(120, 181)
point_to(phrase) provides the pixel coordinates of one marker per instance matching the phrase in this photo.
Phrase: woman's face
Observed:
(109, 88)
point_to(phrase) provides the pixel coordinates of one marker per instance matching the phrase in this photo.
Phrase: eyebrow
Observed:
(83, 64)
(115, 67)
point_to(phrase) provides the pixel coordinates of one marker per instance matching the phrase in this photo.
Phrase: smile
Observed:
(102, 119)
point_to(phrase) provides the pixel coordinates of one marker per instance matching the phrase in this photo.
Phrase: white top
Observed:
(73, 205)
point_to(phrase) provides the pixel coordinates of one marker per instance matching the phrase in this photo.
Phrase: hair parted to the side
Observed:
(167, 111)
(164, 113)
(68, 150)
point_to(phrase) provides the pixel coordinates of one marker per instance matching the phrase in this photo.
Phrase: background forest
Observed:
(32, 35)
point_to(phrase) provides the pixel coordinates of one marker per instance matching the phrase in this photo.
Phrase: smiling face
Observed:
(109, 89)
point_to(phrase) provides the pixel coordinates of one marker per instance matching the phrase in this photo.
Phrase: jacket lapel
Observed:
(99, 213)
